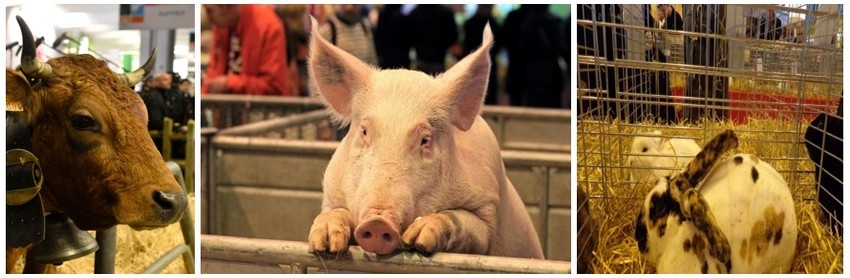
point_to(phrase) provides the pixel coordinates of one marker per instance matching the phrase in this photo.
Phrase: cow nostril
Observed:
(387, 237)
(164, 200)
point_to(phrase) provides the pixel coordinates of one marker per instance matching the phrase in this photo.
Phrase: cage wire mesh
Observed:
(771, 73)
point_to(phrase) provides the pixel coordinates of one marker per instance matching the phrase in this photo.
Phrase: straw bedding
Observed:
(614, 204)
(135, 250)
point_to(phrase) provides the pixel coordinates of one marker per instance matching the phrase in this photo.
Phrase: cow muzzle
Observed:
(169, 205)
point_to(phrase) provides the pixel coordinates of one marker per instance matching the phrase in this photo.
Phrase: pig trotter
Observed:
(456, 231)
(428, 234)
(330, 233)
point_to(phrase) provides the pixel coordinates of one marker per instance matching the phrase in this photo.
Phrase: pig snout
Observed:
(377, 235)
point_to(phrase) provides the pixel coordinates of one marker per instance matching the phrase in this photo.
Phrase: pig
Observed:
(419, 169)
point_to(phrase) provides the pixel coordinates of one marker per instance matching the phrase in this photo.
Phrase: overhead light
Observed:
(98, 28)
(72, 20)
(181, 49)
(84, 45)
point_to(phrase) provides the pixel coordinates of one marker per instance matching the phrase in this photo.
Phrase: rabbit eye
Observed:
(645, 149)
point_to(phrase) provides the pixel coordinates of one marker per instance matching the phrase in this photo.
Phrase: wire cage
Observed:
(771, 73)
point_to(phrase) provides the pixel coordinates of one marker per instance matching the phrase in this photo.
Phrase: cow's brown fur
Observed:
(97, 178)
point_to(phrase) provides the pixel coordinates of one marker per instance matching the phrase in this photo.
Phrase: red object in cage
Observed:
(746, 105)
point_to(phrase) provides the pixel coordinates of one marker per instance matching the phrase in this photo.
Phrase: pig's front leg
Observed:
(331, 232)
(458, 231)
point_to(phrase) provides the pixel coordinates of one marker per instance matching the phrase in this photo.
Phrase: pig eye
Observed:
(426, 141)
(363, 132)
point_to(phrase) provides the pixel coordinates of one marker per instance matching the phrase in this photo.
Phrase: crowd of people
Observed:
(666, 28)
(262, 49)
(165, 94)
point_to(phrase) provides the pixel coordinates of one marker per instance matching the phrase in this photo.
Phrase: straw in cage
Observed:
(614, 203)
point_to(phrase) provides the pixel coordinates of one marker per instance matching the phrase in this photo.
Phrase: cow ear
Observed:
(466, 84)
(18, 94)
(336, 75)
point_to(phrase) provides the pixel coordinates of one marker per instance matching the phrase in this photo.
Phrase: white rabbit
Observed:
(654, 157)
(740, 219)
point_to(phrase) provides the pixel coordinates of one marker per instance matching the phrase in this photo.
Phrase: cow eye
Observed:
(82, 122)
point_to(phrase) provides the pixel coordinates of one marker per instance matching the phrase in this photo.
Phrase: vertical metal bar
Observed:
(189, 158)
(544, 210)
(224, 112)
(189, 259)
(212, 206)
(187, 227)
(502, 124)
(104, 258)
(602, 165)
(298, 268)
(167, 134)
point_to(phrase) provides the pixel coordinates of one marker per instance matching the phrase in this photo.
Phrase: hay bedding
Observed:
(614, 204)
(135, 250)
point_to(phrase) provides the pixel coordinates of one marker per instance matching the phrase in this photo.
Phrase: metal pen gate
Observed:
(291, 143)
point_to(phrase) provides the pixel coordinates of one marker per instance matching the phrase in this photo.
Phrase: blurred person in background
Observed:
(148, 85)
(662, 108)
(770, 27)
(188, 99)
(154, 102)
(295, 17)
(472, 30)
(535, 41)
(392, 38)
(434, 32)
(349, 29)
(248, 54)
(174, 102)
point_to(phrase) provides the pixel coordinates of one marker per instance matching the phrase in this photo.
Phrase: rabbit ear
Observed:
(696, 208)
(705, 160)
(662, 142)
(655, 138)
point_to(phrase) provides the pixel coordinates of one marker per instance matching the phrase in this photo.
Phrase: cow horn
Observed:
(30, 65)
(136, 76)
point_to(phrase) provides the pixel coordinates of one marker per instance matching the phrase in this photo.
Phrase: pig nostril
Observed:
(387, 237)
(367, 234)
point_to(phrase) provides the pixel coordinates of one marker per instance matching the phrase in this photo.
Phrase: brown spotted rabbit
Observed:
(732, 216)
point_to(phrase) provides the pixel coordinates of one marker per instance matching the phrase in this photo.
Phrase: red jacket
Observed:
(264, 69)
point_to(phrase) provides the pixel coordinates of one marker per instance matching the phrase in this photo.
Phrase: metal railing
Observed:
(234, 111)
(231, 157)
(295, 255)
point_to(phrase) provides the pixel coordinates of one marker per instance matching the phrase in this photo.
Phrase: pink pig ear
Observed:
(466, 83)
(336, 74)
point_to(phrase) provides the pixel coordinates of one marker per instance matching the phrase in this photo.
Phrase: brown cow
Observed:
(100, 165)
